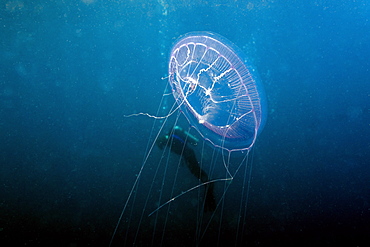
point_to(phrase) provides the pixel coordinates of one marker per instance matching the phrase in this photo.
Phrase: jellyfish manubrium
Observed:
(219, 108)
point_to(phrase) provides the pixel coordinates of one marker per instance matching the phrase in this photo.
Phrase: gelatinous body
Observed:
(219, 93)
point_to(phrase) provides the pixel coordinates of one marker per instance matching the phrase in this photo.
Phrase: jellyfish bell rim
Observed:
(225, 43)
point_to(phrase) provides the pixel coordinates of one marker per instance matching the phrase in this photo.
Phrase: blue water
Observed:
(71, 70)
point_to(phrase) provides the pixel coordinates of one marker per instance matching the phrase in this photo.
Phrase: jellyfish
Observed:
(196, 191)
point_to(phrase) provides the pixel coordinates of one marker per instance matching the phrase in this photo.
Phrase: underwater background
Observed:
(71, 70)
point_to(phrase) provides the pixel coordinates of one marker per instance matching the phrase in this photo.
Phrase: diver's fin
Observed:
(209, 200)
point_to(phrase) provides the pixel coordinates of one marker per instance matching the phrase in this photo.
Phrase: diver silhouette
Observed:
(179, 145)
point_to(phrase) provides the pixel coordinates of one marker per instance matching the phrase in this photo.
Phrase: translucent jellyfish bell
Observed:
(218, 91)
